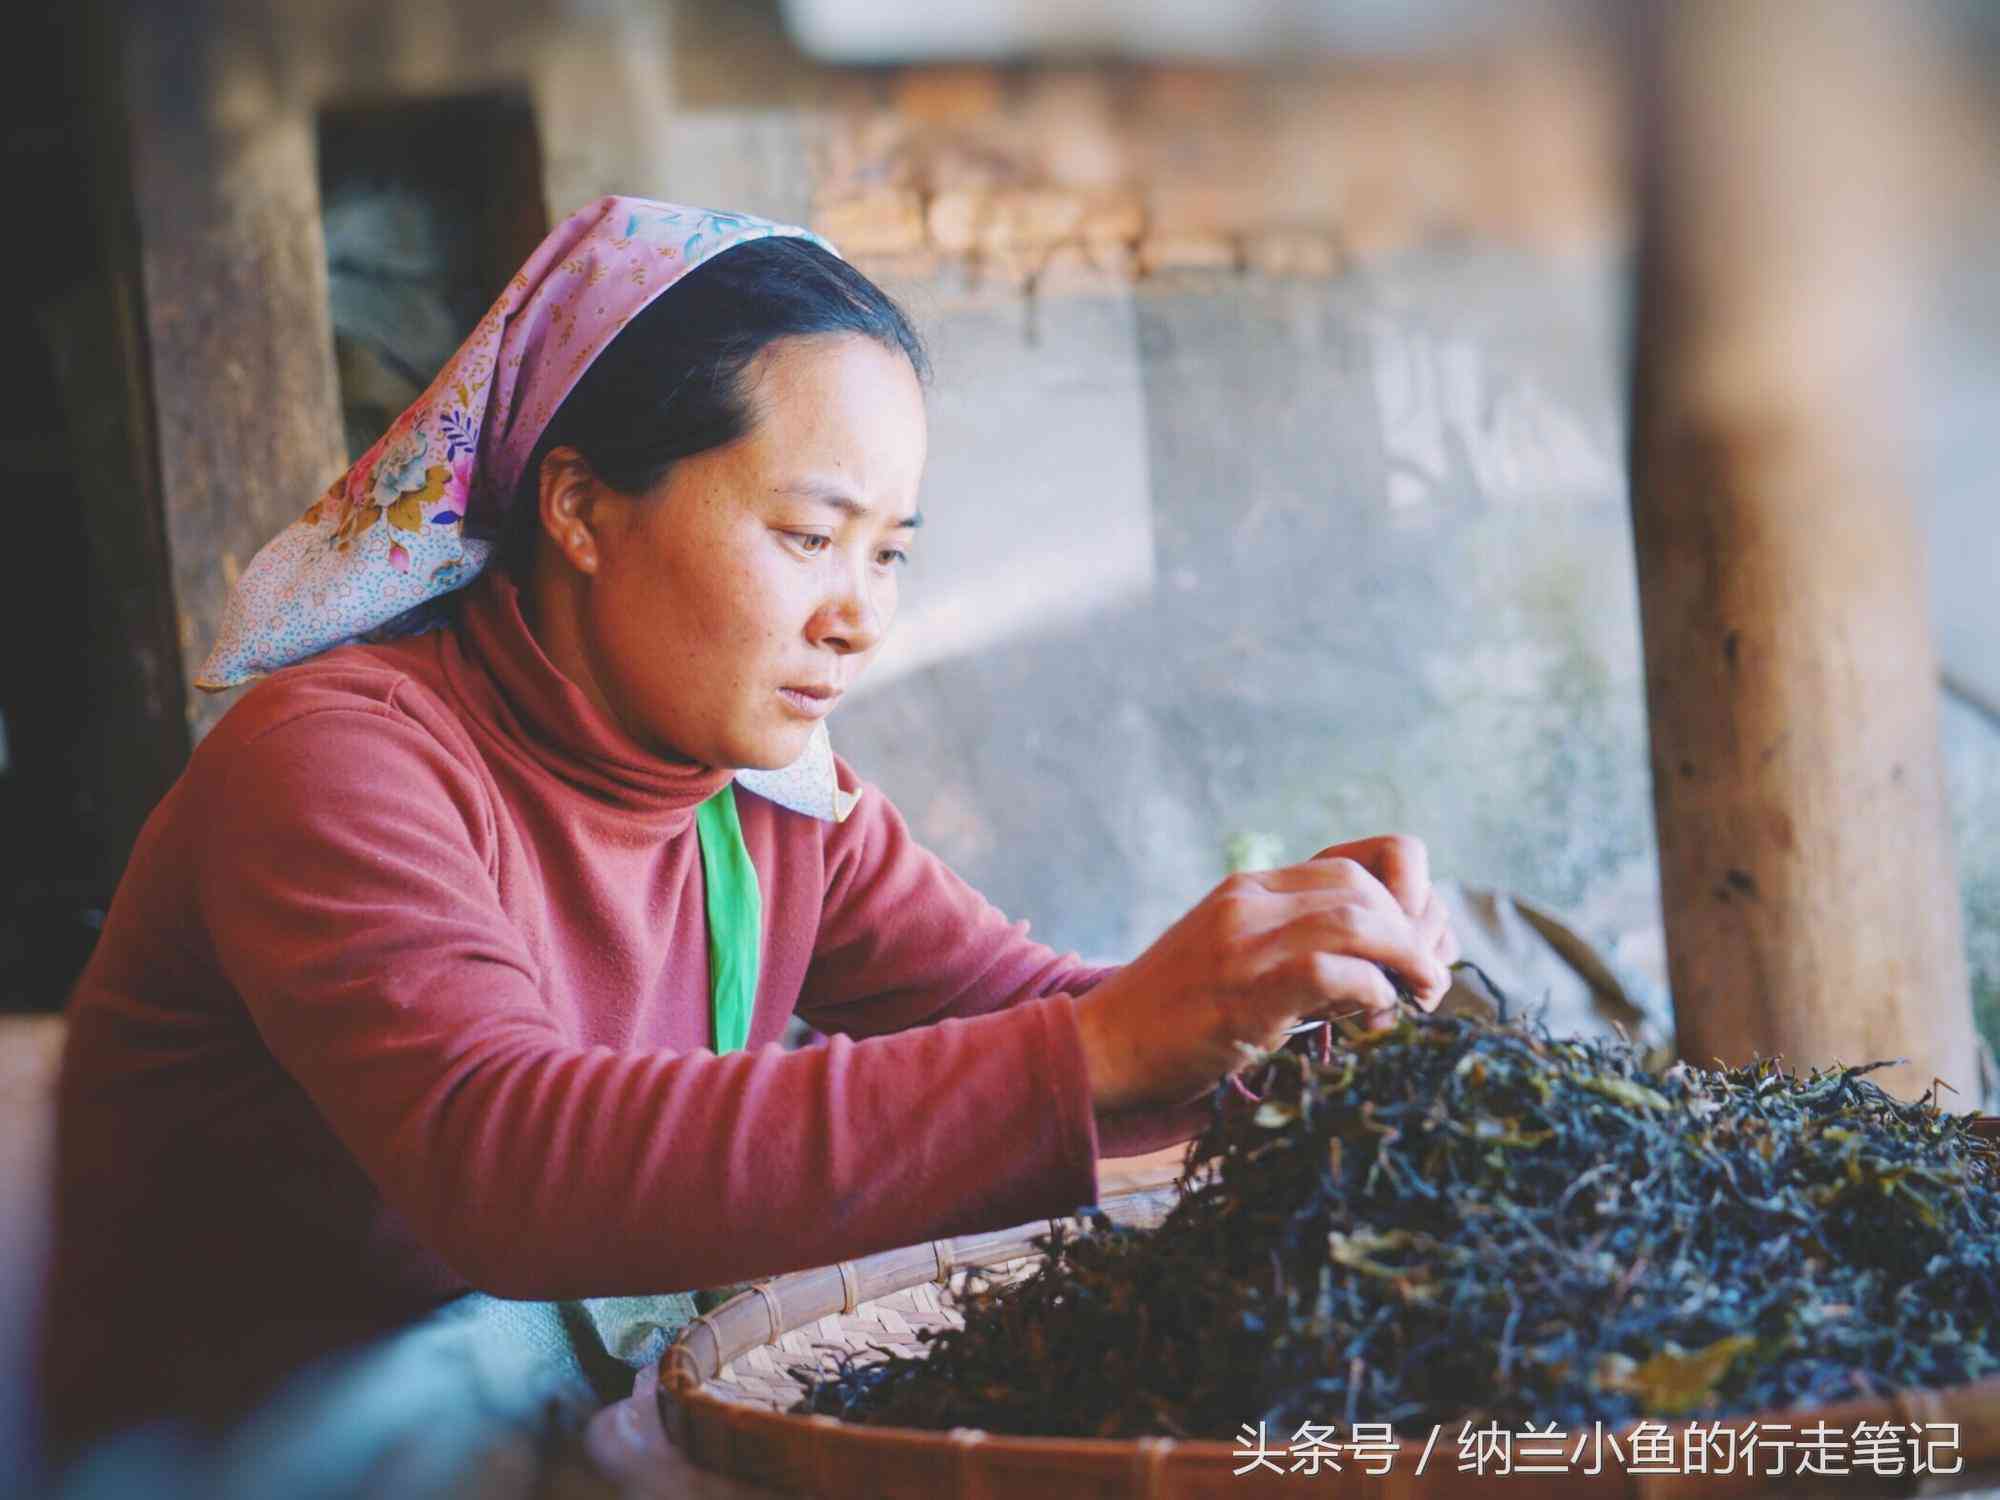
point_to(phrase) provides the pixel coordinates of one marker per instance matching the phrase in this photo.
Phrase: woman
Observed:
(455, 961)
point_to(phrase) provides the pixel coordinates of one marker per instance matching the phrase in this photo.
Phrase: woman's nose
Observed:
(853, 621)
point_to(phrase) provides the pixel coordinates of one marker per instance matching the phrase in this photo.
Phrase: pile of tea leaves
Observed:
(1461, 1219)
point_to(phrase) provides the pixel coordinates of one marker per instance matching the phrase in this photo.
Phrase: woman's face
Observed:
(720, 615)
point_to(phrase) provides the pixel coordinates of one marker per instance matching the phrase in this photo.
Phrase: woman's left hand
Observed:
(1403, 864)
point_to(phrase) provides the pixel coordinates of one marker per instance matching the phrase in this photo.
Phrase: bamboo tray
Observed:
(723, 1390)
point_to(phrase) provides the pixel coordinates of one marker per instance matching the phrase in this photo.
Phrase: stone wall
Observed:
(1226, 557)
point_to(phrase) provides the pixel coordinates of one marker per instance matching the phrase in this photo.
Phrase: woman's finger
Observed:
(1347, 986)
(1323, 872)
(1434, 923)
(1324, 885)
(1436, 929)
(1386, 939)
(1400, 862)
(1448, 950)
(1435, 932)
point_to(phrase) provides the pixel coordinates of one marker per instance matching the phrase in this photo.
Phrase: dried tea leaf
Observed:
(1626, 1092)
(1674, 1381)
(1374, 1241)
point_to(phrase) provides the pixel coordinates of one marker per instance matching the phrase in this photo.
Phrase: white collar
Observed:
(809, 785)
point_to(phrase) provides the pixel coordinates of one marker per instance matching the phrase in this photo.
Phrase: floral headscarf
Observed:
(416, 516)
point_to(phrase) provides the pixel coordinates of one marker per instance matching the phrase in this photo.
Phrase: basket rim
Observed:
(712, 1340)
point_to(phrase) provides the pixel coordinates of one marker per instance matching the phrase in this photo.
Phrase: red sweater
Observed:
(405, 993)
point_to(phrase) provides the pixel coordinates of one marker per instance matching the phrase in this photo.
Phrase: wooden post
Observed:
(221, 99)
(136, 738)
(233, 265)
(1811, 902)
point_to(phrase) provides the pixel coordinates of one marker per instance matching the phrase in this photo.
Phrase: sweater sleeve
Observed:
(346, 885)
(903, 941)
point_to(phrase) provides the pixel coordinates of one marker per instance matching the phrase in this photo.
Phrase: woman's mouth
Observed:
(810, 702)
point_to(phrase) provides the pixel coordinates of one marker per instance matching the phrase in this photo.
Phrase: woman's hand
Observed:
(1255, 955)
(1403, 864)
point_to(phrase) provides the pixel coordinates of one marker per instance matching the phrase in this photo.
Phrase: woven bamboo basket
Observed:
(724, 1390)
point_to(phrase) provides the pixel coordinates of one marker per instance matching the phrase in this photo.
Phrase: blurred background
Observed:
(1279, 430)
(1284, 374)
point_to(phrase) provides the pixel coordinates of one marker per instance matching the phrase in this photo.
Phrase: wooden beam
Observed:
(221, 102)
(233, 267)
(136, 739)
(1807, 874)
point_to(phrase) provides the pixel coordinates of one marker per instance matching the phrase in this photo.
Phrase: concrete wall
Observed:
(1217, 556)
(1378, 576)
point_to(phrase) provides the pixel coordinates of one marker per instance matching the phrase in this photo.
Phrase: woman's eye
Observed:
(811, 542)
(894, 557)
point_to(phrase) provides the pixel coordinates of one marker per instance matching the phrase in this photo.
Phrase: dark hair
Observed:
(672, 383)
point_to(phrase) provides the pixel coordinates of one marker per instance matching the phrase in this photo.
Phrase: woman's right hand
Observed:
(1258, 953)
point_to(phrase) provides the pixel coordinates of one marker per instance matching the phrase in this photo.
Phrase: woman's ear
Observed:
(567, 503)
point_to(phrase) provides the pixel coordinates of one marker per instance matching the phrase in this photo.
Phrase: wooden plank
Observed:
(1807, 871)
(138, 732)
(220, 102)
(239, 344)
(136, 738)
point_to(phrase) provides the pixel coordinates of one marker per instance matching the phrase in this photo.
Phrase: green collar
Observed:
(735, 919)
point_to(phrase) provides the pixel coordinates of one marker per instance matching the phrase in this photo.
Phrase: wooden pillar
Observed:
(222, 99)
(134, 740)
(233, 274)
(1811, 901)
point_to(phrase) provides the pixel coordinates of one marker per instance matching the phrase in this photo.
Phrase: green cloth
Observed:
(735, 919)
(471, 1401)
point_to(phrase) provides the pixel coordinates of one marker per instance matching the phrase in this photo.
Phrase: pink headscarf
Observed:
(374, 555)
